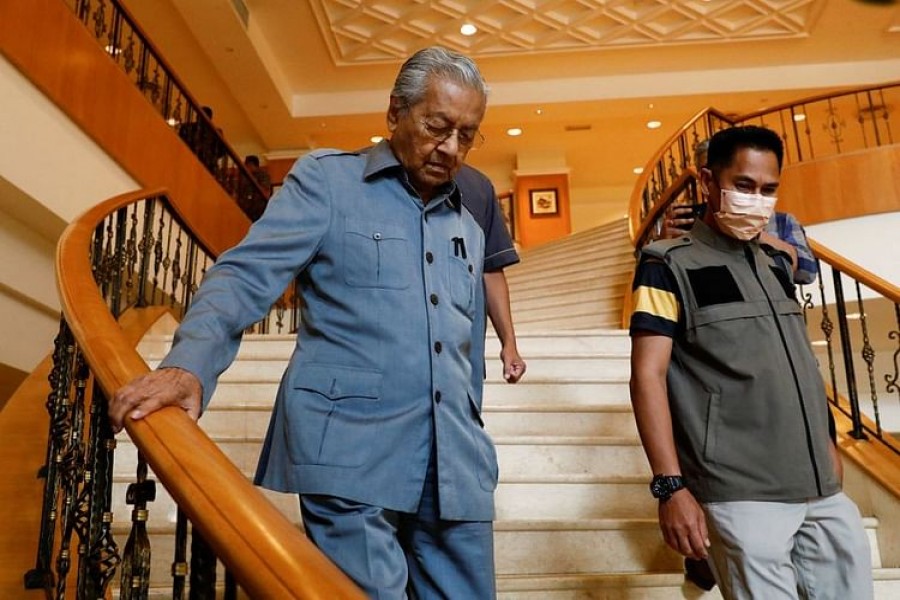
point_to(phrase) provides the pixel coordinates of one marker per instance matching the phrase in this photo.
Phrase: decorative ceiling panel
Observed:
(366, 31)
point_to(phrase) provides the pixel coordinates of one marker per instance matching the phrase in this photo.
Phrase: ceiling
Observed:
(580, 77)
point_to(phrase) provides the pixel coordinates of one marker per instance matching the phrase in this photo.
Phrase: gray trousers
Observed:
(814, 550)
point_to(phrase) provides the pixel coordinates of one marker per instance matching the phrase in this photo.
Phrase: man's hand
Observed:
(153, 391)
(678, 221)
(683, 524)
(513, 365)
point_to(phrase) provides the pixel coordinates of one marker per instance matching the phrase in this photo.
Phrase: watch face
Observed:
(663, 486)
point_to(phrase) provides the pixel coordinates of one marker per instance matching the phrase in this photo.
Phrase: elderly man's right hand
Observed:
(153, 391)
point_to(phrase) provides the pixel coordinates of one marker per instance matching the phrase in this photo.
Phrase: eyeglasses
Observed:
(466, 138)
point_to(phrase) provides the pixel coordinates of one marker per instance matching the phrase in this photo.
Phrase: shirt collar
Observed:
(380, 160)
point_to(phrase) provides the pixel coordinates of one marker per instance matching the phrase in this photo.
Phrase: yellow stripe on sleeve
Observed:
(656, 302)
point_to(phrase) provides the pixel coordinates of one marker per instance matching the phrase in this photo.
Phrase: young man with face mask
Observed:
(729, 402)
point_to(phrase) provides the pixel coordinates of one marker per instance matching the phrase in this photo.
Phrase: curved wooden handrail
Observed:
(853, 270)
(269, 557)
(636, 223)
(811, 99)
(667, 197)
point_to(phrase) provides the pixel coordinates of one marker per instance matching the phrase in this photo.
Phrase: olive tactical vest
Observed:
(748, 404)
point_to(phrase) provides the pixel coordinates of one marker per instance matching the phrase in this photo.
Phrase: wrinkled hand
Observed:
(683, 524)
(153, 391)
(678, 221)
(513, 365)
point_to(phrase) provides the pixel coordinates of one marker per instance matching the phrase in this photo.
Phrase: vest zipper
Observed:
(748, 254)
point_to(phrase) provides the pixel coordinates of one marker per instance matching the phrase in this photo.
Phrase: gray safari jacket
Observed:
(389, 357)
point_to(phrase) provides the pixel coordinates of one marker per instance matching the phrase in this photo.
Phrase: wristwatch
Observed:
(663, 486)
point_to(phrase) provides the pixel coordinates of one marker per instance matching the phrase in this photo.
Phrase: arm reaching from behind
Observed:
(146, 394)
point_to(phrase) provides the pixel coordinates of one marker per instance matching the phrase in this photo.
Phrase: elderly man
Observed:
(729, 402)
(377, 423)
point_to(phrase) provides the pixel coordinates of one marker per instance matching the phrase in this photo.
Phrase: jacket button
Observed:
(434, 299)
(438, 347)
(429, 257)
(437, 396)
(376, 235)
(471, 269)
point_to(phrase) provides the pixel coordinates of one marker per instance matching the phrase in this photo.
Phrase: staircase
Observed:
(575, 519)
(577, 282)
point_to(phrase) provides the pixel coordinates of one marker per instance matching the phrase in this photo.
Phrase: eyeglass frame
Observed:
(439, 135)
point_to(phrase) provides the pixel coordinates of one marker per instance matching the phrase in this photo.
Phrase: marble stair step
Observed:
(611, 319)
(572, 368)
(597, 586)
(532, 343)
(597, 296)
(548, 343)
(520, 457)
(532, 390)
(557, 274)
(585, 276)
(607, 287)
(574, 317)
(553, 420)
(540, 457)
(562, 258)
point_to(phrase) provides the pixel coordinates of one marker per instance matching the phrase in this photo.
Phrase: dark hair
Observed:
(251, 159)
(724, 145)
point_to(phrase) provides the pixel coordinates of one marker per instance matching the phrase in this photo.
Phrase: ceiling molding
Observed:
(386, 31)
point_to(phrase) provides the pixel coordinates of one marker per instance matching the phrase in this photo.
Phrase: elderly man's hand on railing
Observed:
(153, 391)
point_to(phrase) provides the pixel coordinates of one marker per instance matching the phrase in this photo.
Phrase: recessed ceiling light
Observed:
(853, 316)
(819, 343)
(172, 121)
(654, 124)
(468, 29)
(514, 131)
(637, 170)
(376, 138)
(113, 50)
(799, 117)
(539, 111)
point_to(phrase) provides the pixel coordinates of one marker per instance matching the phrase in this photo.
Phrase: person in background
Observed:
(783, 231)
(729, 403)
(377, 423)
(249, 198)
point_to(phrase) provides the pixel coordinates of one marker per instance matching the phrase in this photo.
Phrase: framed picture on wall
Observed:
(544, 202)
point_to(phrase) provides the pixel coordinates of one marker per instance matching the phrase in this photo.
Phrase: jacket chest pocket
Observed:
(376, 255)
(462, 284)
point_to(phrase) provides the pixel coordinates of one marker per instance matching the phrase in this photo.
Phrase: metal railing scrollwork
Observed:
(130, 254)
(127, 45)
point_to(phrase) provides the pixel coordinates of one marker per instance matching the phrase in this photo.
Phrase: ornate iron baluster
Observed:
(203, 568)
(136, 556)
(868, 355)
(892, 381)
(179, 564)
(847, 351)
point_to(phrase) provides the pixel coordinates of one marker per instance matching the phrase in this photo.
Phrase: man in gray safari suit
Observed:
(377, 423)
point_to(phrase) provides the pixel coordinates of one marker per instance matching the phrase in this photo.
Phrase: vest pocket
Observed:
(462, 285)
(710, 441)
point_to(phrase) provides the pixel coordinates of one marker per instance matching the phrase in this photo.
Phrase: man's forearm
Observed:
(497, 299)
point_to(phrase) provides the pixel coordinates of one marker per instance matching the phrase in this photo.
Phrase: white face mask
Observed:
(744, 216)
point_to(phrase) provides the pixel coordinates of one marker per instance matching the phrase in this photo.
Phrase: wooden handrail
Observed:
(853, 270)
(635, 221)
(268, 555)
(811, 99)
